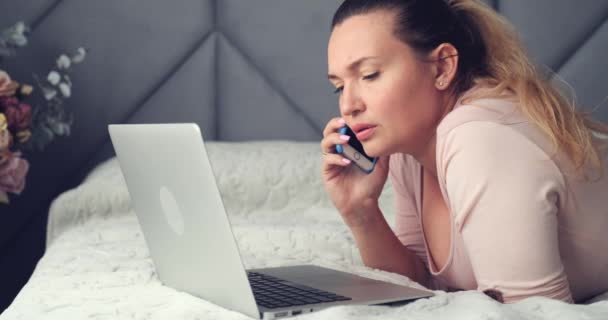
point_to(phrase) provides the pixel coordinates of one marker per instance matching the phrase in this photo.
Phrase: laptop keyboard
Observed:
(272, 292)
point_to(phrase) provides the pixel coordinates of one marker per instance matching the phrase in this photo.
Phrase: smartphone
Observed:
(353, 150)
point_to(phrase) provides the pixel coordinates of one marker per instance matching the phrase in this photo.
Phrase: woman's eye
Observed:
(371, 76)
(338, 90)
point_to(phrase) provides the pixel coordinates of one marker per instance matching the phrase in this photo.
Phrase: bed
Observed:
(97, 265)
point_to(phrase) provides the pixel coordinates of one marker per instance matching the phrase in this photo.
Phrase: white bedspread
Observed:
(97, 265)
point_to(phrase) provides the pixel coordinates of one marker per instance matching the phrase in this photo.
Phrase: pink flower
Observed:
(13, 170)
(6, 140)
(7, 86)
(5, 80)
(6, 102)
(18, 117)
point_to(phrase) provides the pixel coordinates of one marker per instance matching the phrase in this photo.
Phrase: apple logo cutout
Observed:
(171, 210)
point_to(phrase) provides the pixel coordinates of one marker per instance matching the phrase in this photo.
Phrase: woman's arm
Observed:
(401, 250)
(381, 249)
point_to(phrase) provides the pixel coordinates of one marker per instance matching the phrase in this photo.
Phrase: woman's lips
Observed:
(365, 133)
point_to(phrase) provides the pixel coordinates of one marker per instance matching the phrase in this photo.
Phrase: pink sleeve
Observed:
(504, 193)
(407, 226)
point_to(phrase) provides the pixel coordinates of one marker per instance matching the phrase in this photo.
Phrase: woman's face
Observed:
(384, 85)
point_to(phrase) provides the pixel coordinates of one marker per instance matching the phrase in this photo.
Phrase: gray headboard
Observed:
(241, 69)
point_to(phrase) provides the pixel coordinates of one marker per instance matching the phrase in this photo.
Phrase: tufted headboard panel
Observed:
(242, 70)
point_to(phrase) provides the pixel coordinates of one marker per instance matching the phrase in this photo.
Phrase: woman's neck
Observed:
(427, 156)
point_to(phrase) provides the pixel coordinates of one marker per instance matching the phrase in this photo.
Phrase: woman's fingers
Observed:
(331, 138)
(333, 125)
(335, 159)
(332, 164)
(328, 144)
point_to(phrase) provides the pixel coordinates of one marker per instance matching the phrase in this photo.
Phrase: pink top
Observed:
(522, 222)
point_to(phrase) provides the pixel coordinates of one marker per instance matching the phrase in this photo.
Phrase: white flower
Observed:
(65, 89)
(19, 40)
(49, 93)
(54, 77)
(63, 62)
(20, 27)
(17, 35)
(81, 53)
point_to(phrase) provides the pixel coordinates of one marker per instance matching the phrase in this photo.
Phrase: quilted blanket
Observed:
(97, 265)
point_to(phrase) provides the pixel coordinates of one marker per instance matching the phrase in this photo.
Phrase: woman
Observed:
(499, 181)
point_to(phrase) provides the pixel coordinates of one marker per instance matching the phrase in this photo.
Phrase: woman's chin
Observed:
(376, 148)
(373, 150)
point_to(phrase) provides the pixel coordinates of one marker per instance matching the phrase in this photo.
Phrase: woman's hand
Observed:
(354, 193)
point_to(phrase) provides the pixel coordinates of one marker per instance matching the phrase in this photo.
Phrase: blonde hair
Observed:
(490, 54)
(507, 67)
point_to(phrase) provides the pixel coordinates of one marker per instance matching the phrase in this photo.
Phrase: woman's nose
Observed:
(350, 102)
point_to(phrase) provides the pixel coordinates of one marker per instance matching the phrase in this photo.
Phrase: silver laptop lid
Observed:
(174, 194)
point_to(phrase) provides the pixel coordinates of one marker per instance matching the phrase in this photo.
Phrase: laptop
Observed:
(185, 225)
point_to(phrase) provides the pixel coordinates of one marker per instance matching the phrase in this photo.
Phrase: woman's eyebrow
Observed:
(352, 66)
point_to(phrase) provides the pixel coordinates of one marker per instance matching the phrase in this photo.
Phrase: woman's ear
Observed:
(445, 60)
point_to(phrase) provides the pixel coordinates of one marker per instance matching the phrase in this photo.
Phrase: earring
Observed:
(440, 83)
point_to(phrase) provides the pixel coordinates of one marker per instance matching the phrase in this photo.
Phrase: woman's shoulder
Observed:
(492, 121)
(469, 108)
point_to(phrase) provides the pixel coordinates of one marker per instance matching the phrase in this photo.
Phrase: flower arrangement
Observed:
(23, 127)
